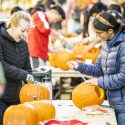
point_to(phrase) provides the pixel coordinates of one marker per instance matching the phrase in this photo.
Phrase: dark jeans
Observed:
(3, 107)
(35, 62)
(120, 118)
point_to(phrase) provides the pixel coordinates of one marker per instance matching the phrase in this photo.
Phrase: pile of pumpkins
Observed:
(35, 107)
(61, 58)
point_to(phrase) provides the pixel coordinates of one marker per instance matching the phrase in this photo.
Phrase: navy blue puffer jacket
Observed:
(110, 70)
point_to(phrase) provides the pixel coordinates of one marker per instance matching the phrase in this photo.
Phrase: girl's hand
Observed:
(93, 81)
(72, 65)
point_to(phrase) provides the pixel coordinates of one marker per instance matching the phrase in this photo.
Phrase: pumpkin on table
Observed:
(61, 58)
(86, 95)
(51, 59)
(30, 92)
(22, 114)
(45, 110)
(92, 54)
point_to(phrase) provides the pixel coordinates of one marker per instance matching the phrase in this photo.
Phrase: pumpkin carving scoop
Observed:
(81, 75)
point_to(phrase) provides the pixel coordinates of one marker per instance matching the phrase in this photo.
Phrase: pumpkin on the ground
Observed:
(22, 114)
(45, 109)
(86, 95)
(30, 92)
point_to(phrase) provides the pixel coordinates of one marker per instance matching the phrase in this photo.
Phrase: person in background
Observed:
(15, 9)
(110, 66)
(58, 25)
(38, 7)
(116, 7)
(96, 9)
(123, 9)
(14, 57)
(38, 38)
(29, 10)
(47, 3)
(90, 37)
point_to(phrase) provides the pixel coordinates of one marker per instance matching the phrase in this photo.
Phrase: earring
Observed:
(110, 31)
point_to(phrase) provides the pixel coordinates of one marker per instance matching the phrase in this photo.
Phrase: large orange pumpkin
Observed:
(62, 57)
(45, 109)
(92, 54)
(86, 95)
(22, 114)
(30, 92)
(52, 59)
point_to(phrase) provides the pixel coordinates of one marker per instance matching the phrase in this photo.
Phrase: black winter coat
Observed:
(14, 57)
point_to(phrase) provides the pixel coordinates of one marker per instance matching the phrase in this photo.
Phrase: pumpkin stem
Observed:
(35, 98)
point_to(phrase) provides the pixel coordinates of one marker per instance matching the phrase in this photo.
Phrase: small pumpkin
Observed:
(68, 35)
(22, 114)
(86, 95)
(30, 92)
(45, 110)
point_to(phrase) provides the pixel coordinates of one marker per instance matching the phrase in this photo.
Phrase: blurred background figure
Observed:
(38, 7)
(48, 3)
(96, 9)
(15, 9)
(123, 9)
(88, 36)
(38, 38)
(58, 25)
(115, 7)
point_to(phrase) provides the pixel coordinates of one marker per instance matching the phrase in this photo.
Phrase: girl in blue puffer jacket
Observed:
(110, 65)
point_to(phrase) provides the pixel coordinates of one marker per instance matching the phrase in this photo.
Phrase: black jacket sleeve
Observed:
(10, 70)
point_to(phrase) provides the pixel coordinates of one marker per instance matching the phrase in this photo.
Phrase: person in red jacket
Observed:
(38, 37)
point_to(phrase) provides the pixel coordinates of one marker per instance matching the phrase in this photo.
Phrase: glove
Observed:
(72, 65)
(29, 78)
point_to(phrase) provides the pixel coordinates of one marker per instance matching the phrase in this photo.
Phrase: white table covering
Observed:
(65, 110)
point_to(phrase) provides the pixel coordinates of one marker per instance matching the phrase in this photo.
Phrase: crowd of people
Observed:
(26, 39)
